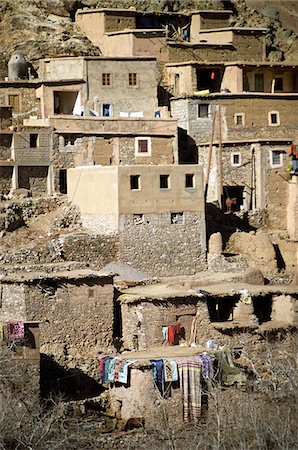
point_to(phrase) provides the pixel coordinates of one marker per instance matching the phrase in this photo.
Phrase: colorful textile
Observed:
(111, 370)
(190, 384)
(123, 371)
(103, 366)
(170, 370)
(158, 374)
(117, 366)
(15, 330)
(171, 335)
(206, 365)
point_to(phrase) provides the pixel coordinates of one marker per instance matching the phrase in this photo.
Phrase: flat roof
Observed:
(36, 276)
(233, 63)
(252, 29)
(239, 95)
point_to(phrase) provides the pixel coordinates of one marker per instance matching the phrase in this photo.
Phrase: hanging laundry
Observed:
(15, 330)
(158, 374)
(206, 365)
(171, 335)
(170, 370)
(190, 384)
(165, 334)
(103, 368)
(123, 371)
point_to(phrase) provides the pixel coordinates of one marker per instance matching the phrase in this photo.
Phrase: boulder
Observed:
(253, 276)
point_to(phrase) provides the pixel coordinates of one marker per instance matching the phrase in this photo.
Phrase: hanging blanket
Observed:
(206, 365)
(158, 374)
(16, 330)
(170, 370)
(190, 385)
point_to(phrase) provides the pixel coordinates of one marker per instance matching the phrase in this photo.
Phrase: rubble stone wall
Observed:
(5, 179)
(162, 248)
(33, 178)
(28, 103)
(161, 151)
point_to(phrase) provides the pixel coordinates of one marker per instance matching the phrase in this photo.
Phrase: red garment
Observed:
(177, 328)
(293, 150)
(171, 335)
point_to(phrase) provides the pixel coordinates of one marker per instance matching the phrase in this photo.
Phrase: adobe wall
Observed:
(161, 248)
(13, 302)
(145, 320)
(292, 210)
(77, 316)
(162, 151)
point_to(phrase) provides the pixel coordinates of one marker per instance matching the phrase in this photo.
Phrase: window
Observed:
(164, 181)
(236, 159)
(132, 79)
(5, 140)
(276, 158)
(278, 84)
(177, 83)
(177, 218)
(143, 146)
(106, 79)
(33, 140)
(14, 101)
(189, 180)
(135, 182)
(239, 119)
(106, 110)
(63, 181)
(259, 82)
(203, 110)
(273, 118)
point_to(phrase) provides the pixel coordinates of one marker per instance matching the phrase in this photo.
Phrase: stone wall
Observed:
(162, 151)
(76, 316)
(5, 179)
(33, 178)
(28, 103)
(162, 248)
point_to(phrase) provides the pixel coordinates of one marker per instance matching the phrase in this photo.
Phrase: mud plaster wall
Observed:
(79, 314)
(12, 306)
(145, 320)
(141, 399)
(162, 248)
(5, 179)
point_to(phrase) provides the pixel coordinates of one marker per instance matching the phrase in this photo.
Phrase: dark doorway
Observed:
(235, 193)
(63, 181)
(209, 79)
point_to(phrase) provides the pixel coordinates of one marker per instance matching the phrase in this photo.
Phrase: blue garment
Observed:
(158, 374)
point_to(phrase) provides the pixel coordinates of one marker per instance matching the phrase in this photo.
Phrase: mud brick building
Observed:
(74, 308)
(157, 212)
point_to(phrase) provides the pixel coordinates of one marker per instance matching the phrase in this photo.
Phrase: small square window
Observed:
(189, 180)
(276, 158)
(143, 146)
(177, 218)
(236, 159)
(203, 110)
(33, 140)
(106, 110)
(106, 79)
(132, 79)
(239, 119)
(5, 140)
(135, 182)
(273, 118)
(164, 181)
(278, 84)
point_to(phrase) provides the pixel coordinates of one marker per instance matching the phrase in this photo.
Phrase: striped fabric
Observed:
(190, 385)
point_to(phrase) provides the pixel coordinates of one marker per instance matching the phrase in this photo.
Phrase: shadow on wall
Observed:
(187, 148)
(226, 224)
(71, 384)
